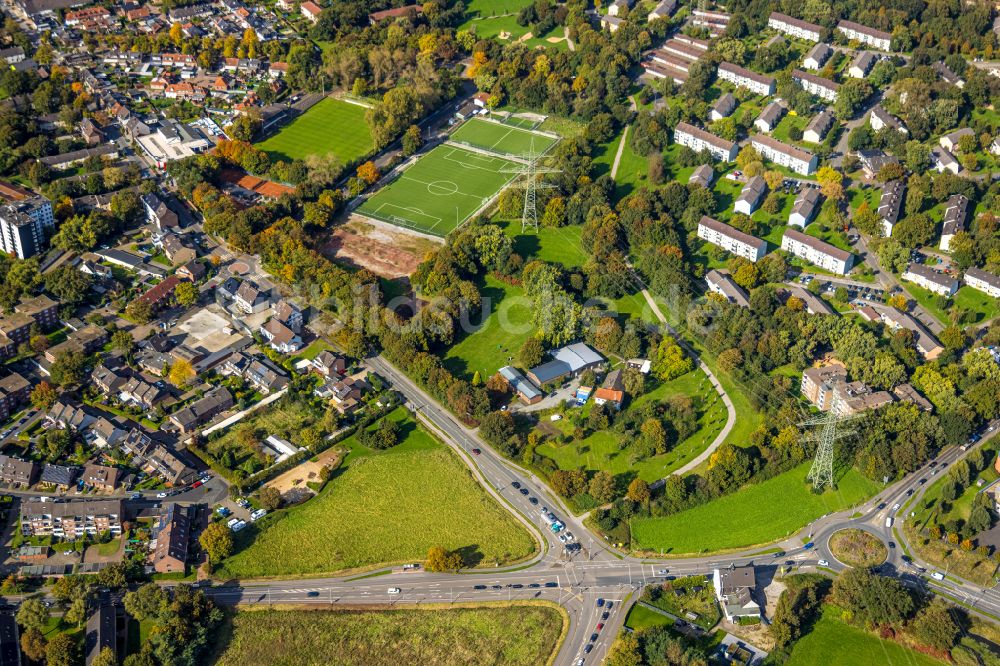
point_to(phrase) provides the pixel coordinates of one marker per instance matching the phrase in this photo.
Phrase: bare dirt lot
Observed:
(381, 248)
(307, 471)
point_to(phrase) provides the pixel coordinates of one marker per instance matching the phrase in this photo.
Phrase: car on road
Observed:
(823, 563)
(590, 646)
(515, 484)
(534, 585)
(880, 506)
(496, 587)
(312, 593)
(533, 500)
(605, 615)
(892, 544)
(593, 637)
(808, 546)
(662, 572)
(393, 590)
(517, 586)
(551, 584)
(479, 587)
(909, 493)
(895, 507)
(609, 605)
(476, 452)
(600, 603)
(922, 481)
(161, 495)
(135, 496)
(523, 491)
(579, 662)
(937, 575)
(600, 625)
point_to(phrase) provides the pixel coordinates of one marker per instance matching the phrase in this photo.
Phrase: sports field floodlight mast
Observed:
(829, 427)
(528, 170)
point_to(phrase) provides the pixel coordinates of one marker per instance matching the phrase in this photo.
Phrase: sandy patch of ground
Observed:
(381, 248)
(298, 476)
(555, 40)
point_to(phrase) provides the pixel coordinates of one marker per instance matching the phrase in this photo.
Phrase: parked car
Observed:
(258, 514)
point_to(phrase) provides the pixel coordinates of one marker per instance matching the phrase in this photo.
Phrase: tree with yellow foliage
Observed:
(182, 373)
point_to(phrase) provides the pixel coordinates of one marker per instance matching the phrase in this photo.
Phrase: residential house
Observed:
(68, 416)
(58, 476)
(177, 251)
(620, 7)
(14, 392)
(698, 140)
(84, 341)
(817, 252)
(817, 56)
(172, 538)
(108, 380)
(861, 65)
(72, 519)
(873, 161)
(956, 213)
(805, 207)
(814, 304)
(794, 27)
(723, 107)
(985, 282)
(878, 39)
(816, 85)
(944, 161)
(721, 282)
(702, 175)
(612, 390)
(734, 588)
(250, 299)
(663, 9)
(100, 477)
(744, 78)
(796, 159)
(928, 278)
(192, 271)
(17, 473)
(310, 10)
(947, 75)
(926, 343)
(202, 411)
(731, 239)
(344, 394)
(819, 126)
(280, 337)
(526, 392)
(141, 394)
(611, 23)
(880, 118)
(288, 314)
(890, 205)
(751, 196)
(950, 140)
(160, 295)
(328, 364)
(155, 458)
(769, 117)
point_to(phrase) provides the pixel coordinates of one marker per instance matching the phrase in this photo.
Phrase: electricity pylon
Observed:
(529, 172)
(830, 429)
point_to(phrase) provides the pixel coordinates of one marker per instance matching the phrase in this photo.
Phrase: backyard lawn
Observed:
(331, 126)
(518, 635)
(385, 507)
(832, 641)
(756, 515)
(641, 617)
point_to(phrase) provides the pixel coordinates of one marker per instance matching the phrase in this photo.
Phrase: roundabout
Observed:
(856, 547)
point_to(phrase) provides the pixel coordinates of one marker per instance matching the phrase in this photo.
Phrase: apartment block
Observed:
(744, 78)
(816, 85)
(878, 39)
(730, 239)
(698, 140)
(72, 519)
(790, 157)
(930, 279)
(979, 279)
(956, 213)
(794, 27)
(817, 252)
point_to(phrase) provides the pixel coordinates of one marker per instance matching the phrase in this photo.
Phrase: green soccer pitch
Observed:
(500, 138)
(443, 189)
(330, 126)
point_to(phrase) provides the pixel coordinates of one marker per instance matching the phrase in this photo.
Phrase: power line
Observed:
(529, 173)
(830, 429)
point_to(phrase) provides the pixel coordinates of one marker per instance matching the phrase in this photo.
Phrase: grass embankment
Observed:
(857, 548)
(514, 635)
(950, 557)
(384, 507)
(833, 641)
(758, 514)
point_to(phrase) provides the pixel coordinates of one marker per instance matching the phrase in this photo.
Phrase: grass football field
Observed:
(440, 191)
(758, 514)
(385, 507)
(518, 635)
(331, 126)
(501, 138)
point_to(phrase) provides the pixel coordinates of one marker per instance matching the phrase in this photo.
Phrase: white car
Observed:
(823, 563)
(394, 590)
(257, 515)
(232, 522)
(161, 495)
(240, 525)
(937, 575)
(895, 507)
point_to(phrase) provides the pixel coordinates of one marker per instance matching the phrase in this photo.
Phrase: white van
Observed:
(937, 575)
(888, 521)
(394, 590)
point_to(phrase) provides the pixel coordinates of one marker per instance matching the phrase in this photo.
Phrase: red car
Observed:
(196, 484)
(600, 625)
(476, 452)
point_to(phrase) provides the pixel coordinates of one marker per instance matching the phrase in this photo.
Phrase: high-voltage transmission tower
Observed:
(829, 427)
(528, 170)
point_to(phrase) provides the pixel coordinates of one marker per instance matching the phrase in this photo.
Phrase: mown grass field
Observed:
(517, 635)
(500, 138)
(385, 507)
(640, 617)
(490, 18)
(758, 514)
(500, 337)
(331, 126)
(832, 641)
(560, 245)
